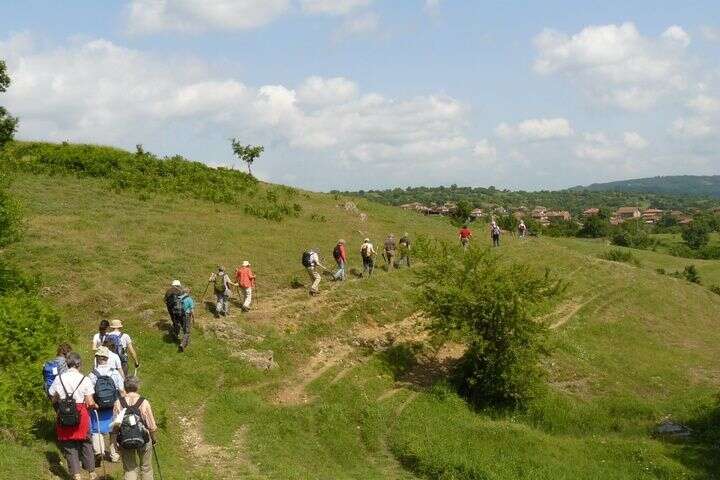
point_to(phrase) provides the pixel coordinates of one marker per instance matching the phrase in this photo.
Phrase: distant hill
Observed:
(695, 185)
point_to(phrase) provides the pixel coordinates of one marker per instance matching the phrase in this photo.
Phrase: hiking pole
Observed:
(157, 461)
(205, 291)
(101, 442)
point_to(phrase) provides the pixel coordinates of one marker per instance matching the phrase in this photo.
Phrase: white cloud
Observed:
(535, 129)
(361, 24)
(693, 127)
(615, 64)
(152, 16)
(711, 34)
(704, 104)
(484, 150)
(634, 140)
(596, 146)
(333, 7)
(431, 6)
(99, 92)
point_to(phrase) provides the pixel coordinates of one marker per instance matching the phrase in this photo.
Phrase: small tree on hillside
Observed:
(8, 123)
(461, 214)
(697, 234)
(247, 153)
(492, 304)
(594, 227)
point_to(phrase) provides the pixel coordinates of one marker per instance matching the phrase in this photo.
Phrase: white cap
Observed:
(245, 263)
(176, 283)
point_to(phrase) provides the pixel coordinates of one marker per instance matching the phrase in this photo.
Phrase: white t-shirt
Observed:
(125, 339)
(73, 381)
(107, 370)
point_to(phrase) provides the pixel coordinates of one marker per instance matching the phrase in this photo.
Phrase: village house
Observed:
(652, 215)
(591, 211)
(556, 216)
(477, 213)
(628, 213)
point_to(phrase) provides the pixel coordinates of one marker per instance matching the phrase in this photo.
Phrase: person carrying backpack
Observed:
(495, 234)
(56, 366)
(123, 345)
(136, 432)
(246, 279)
(72, 392)
(522, 229)
(99, 337)
(340, 256)
(109, 386)
(390, 247)
(311, 262)
(404, 250)
(188, 318)
(367, 253)
(113, 358)
(174, 306)
(221, 286)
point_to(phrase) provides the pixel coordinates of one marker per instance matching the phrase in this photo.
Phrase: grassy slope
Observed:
(633, 346)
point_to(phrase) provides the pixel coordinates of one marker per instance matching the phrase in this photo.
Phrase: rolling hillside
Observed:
(694, 185)
(358, 393)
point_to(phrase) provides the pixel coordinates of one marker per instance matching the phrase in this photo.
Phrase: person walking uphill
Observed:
(340, 256)
(390, 247)
(367, 253)
(173, 303)
(123, 345)
(495, 234)
(464, 234)
(72, 392)
(109, 386)
(311, 262)
(404, 249)
(221, 286)
(188, 318)
(136, 432)
(246, 279)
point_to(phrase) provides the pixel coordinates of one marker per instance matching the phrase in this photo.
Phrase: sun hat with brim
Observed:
(366, 240)
(176, 283)
(102, 352)
(116, 323)
(245, 263)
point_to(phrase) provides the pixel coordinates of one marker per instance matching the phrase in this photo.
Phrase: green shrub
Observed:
(691, 274)
(697, 234)
(618, 255)
(715, 289)
(594, 226)
(295, 282)
(491, 304)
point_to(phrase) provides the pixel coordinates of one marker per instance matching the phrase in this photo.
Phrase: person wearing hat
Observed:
(340, 256)
(404, 250)
(246, 280)
(103, 378)
(174, 305)
(123, 345)
(367, 252)
(221, 286)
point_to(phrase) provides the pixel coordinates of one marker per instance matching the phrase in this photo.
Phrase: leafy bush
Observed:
(144, 172)
(697, 234)
(715, 289)
(491, 304)
(632, 233)
(618, 255)
(594, 227)
(691, 274)
(10, 215)
(295, 282)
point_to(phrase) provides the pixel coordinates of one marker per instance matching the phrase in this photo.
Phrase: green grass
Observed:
(631, 347)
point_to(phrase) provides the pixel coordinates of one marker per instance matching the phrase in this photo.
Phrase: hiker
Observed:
(136, 432)
(72, 392)
(522, 229)
(495, 234)
(174, 306)
(221, 286)
(311, 262)
(390, 247)
(56, 366)
(404, 249)
(123, 345)
(367, 252)
(188, 318)
(340, 256)
(109, 386)
(465, 233)
(113, 358)
(246, 279)
(99, 337)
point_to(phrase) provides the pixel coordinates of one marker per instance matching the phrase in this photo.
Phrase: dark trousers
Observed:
(78, 454)
(496, 240)
(368, 265)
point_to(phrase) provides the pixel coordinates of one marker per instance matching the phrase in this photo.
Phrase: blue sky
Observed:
(349, 94)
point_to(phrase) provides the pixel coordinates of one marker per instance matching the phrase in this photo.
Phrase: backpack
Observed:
(133, 433)
(119, 349)
(174, 304)
(67, 413)
(336, 252)
(218, 284)
(496, 230)
(306, 256)
(105, 391)
(51, 369)
(364, 251)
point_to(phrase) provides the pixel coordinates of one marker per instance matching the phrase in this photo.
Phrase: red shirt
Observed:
(465, 233)
(343, 254)
(245, 277)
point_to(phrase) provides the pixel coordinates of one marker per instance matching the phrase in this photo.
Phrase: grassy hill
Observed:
(695, 185)
(358, 394)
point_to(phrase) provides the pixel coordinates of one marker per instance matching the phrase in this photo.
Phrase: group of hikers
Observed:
(395, 252)
(101, 415)
(464, 234)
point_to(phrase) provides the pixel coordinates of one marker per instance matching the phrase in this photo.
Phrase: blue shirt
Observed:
(188, 304)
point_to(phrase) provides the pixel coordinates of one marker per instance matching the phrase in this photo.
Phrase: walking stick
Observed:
(102, 444)
(157, 461)
(205, 291)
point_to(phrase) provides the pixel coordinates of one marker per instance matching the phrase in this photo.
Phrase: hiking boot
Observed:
(181, 348)
(245, 309)
(93, 476)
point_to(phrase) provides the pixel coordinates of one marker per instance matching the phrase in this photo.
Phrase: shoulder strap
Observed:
(123, 402)
(63, 385)
(96, 373)
(78, 385)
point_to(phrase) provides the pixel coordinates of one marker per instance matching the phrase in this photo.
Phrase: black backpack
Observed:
(336, 252)
(67, 413)
(174, 304)
(105, 391)
(133, 433)
(307, 254)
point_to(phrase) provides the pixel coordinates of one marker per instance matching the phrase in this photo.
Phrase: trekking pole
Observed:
(157, 461)
(102, 443)
(205, 291)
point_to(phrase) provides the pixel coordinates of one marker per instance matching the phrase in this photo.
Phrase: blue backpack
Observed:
(105, 391)
(119, 350)
(51, 369)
